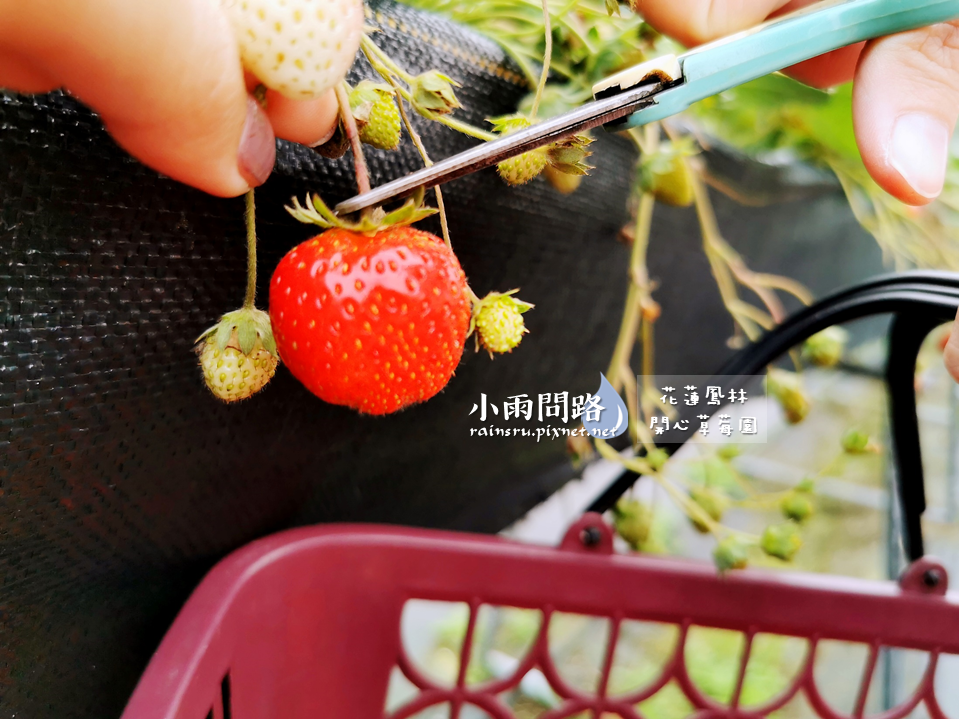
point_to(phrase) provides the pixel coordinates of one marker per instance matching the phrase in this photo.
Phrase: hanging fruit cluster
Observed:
(370, 313)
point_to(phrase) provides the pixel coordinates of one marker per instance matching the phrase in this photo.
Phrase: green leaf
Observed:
(223, 333)
(246, 334)
(325, 212)
(310, 216)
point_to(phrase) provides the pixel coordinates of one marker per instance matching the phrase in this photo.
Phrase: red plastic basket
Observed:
(306, 623)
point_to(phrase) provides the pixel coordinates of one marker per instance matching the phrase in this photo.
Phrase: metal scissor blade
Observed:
(590, 115)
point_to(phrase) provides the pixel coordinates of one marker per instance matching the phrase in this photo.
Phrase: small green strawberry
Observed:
(666, 175)
(657, 458)
(855, 441)
(238, 356)
(797, 506)
(824, 349)
(731, 553)
(729, 451)
(498, 322)
(377, 117)
(806, 485)
(563, 156)
(712, 502)
(521, 169)
(787, 387)
(632, 520)
(781, 541)
(563, 183)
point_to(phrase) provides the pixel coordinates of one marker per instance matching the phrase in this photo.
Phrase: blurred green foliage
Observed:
(773, 117)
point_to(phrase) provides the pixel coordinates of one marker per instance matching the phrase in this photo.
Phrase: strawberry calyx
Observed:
(567, 155)
(433, 92)
(243, 327)
(316, 212)
(497, 321)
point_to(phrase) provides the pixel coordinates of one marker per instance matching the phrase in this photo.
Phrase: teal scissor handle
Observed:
(774, 45)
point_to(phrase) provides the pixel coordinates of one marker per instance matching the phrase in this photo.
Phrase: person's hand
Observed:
(905, 93)
(165, 78)
(905, 89)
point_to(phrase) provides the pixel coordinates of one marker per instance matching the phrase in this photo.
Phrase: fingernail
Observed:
(326, 138)
(257, 146)
(919, 150)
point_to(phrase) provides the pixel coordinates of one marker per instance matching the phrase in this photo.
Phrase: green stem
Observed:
(547, 56)
(450, 122)
(626, 338)
(370, 47)
(421, 148)
(353, 134)
(248, 302)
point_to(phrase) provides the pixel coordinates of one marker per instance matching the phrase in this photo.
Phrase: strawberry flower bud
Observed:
(796, 506)
(855, 441)
(632, 520)
(731, 553)
(710, 501)
(781, 541)
(433, 92)
(729, 451)
(787, 388)
(567, 155)
(824, 349)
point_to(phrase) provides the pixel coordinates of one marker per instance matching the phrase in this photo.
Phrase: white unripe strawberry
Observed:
(238, 354)
(300, 48)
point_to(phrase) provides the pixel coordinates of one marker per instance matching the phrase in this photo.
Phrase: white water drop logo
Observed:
(605, 414)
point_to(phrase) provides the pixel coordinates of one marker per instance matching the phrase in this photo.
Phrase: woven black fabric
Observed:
(122, 480)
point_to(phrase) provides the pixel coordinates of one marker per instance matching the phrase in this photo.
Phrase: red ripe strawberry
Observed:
(374, 322)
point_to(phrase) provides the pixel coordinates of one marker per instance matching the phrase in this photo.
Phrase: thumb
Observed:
(164, 76)
(905, 104)
(695, 21)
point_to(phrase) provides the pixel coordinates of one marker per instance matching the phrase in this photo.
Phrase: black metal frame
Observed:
(918, 301)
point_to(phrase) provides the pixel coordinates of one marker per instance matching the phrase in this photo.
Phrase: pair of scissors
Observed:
(665, 86)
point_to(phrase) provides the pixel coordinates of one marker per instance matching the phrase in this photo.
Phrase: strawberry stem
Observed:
(248, 302)
(370, 48)
(353, 134)
(421, 148)
(547, 56)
